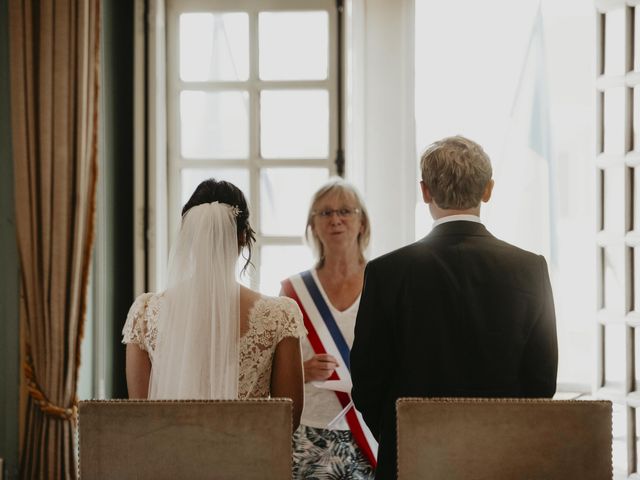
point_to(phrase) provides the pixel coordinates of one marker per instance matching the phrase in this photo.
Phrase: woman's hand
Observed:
(319, 367)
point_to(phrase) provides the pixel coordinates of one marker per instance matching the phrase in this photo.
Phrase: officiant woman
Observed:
(332, 440)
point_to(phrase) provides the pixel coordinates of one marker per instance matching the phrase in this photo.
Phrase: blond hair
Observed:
(456, 171)
(342, 188)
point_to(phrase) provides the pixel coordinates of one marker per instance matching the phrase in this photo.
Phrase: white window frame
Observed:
(163, 87)
(625, 396)
(150, 166)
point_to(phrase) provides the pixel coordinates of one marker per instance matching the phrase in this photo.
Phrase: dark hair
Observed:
(212, 190)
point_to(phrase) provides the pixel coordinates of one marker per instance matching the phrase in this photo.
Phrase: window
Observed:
(523, 89)
(617, 238)
(251, 98)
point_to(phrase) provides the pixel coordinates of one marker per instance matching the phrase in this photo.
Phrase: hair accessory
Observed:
(235, 210)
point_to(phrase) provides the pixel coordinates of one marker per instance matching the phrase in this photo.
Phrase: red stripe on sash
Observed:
(312, 335)
(356, 428)
(343, 397)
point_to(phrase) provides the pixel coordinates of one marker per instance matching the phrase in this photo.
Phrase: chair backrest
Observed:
(234, 439)
(482, 439)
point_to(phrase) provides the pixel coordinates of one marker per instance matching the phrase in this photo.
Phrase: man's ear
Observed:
(486, 195)
(426, 194)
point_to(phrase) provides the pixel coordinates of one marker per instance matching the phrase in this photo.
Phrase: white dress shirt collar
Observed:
(455, 218)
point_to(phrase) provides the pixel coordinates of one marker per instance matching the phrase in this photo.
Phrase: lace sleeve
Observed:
(134, 328)
(291, 323)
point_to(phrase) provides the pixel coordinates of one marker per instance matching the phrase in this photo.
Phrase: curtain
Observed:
(54, 63)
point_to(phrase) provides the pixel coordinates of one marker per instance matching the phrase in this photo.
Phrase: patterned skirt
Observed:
(320, 454)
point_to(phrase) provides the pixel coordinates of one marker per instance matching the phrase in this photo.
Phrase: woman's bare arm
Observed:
(138, 371)
(286, 375)
(318, 367)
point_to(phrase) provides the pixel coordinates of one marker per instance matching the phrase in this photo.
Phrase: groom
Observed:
(456, 314)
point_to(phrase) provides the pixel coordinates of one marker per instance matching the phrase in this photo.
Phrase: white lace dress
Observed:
(270, 320)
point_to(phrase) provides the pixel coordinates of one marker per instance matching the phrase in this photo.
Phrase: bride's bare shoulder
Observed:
(250, 299)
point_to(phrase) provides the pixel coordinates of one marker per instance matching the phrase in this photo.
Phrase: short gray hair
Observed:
(343, 188)
(456, 171)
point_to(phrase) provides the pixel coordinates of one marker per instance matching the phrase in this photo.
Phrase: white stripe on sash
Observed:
(330, 347)
(319, 325)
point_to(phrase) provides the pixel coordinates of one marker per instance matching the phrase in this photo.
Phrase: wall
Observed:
(381, 154)
(113, 275)
(9, 277)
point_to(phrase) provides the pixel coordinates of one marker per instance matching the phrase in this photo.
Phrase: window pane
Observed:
(636, 116)
(619, 447)
(636, 415)
(285, 194)
(615, 355)
(614, 118)
(614, 207)
(280, 262)
(294, 45)
(214, 124)
(635, 283)
(634, 203)
(191, 177)
(636, 38)
(214, 46)
(614, 298)
(636, 359)
(614, 54)
(294, 123)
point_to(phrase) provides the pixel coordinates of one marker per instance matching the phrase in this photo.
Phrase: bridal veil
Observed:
(198, 325)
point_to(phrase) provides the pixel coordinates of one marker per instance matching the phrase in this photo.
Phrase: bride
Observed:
(206, 336)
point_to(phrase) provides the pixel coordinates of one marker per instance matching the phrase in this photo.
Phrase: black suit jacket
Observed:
(456, 314)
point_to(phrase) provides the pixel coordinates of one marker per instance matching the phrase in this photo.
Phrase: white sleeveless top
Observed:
(321, 405)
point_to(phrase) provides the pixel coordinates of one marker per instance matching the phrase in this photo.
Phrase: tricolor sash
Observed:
(325, 336)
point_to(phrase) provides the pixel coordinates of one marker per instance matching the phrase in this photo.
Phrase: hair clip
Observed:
(235, 210)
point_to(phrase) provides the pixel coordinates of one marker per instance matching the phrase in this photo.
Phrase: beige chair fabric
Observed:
(212, 439)
(450, 439)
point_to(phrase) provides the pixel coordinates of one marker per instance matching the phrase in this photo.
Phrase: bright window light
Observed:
(519, 79)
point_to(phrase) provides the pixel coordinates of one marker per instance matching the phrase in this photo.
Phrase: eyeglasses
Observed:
(341, 212)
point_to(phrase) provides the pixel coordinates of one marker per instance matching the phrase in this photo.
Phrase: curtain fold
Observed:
(54, 71)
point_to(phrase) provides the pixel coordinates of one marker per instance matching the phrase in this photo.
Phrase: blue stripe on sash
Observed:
(327, 316)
